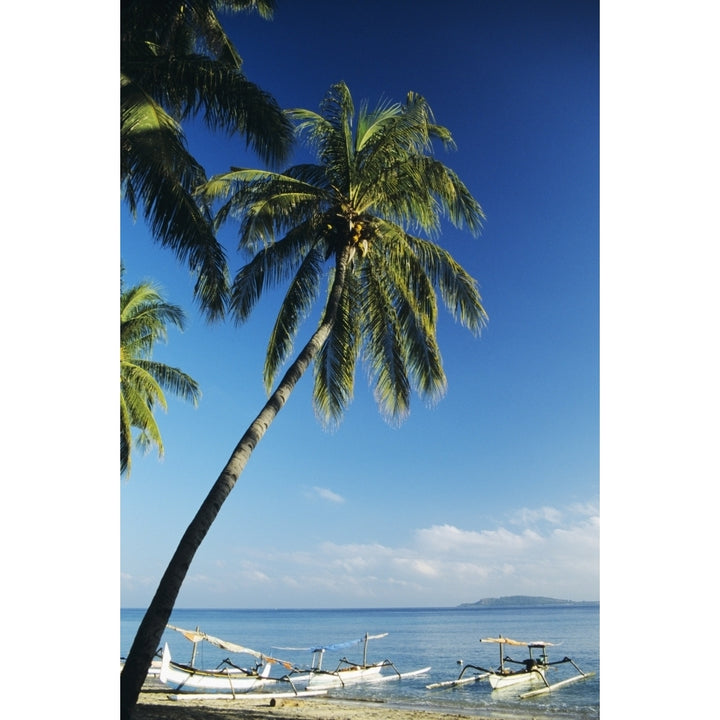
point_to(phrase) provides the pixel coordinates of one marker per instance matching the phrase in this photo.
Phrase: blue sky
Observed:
(494, 491)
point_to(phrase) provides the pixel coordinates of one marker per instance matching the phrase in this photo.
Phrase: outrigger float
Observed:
(532, 672)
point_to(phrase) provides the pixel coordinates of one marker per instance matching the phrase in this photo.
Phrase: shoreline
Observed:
(157, 705)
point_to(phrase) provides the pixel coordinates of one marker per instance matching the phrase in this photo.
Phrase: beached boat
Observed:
(227, 677)
(530, 672)
(347, 671)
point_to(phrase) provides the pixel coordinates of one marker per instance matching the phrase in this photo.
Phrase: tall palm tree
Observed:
(144, 317)
(176, 61)
(348, 217)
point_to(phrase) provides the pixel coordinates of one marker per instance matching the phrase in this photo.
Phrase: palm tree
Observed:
(144, 317)
(350, 216)
(175, 62)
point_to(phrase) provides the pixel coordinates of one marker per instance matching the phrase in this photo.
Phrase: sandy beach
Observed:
(158, 706)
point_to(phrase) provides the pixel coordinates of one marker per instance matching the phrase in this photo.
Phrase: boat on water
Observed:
(227, 677)
(347, 672)
(530, 672)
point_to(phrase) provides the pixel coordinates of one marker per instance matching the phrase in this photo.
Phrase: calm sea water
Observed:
(416, 638)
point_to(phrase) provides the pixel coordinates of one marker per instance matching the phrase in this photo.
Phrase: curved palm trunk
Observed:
(147, 638)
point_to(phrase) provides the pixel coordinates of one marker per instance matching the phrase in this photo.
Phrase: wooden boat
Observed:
(347, 672)
(227, 678)
(531, 672)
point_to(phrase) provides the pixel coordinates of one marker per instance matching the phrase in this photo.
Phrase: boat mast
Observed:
(194, 650)
(317, 658)
(365, 650)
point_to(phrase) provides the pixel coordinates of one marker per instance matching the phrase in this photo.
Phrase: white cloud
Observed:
(449, 539)
(528, 516)
(327, 494)
(440, 565)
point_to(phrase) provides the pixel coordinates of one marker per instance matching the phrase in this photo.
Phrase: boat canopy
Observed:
(504, 641)
(195, 636)
(334, 646)
(508, 641)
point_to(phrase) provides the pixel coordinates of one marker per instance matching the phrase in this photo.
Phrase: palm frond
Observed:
(372, 124)
(416, 312)
(458, 289)
(172, 380)
(330, 133)
(334, 368)
(144, 317)
(125, 437)
(383, 350)
(176, 60)
(300, 297)
(275, 263)
(157, 170)
(267, 203)
(197, 85)
(452, 195)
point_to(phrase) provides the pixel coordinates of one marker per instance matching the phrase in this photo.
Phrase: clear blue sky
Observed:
(495, 491)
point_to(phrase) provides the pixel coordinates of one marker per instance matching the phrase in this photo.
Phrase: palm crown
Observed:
(375, 186)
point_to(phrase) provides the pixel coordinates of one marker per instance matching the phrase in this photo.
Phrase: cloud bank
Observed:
(547, 551)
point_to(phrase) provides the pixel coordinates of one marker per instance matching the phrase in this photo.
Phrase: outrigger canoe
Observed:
(227, 678)
(533, 670)
(347, 672)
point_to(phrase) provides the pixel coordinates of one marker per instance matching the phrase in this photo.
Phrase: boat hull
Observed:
(345, 676)
(498, 681)
(183, 678)
(189, 680)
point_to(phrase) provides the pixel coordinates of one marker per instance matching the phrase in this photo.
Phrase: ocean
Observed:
(444, 638)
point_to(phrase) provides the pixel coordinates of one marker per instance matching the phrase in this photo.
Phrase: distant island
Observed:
(523, 601)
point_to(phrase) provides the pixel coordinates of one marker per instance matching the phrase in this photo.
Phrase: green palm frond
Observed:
(139, 393)
(267, 203)
(172, 380)
(458, 290)
(334, 368)
(383, 348)
(125, 437)
(176, 61)
(296, 305)
(415, 308)
(371, 124)
(144, 318)
(196, 85)
(157, 172)
(274, 264)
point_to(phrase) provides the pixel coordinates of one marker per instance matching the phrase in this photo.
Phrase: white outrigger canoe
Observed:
(227, 678)
(347, 672)
(533, 669)
(532, 673)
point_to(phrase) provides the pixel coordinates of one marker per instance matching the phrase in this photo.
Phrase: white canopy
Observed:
(195, 636)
